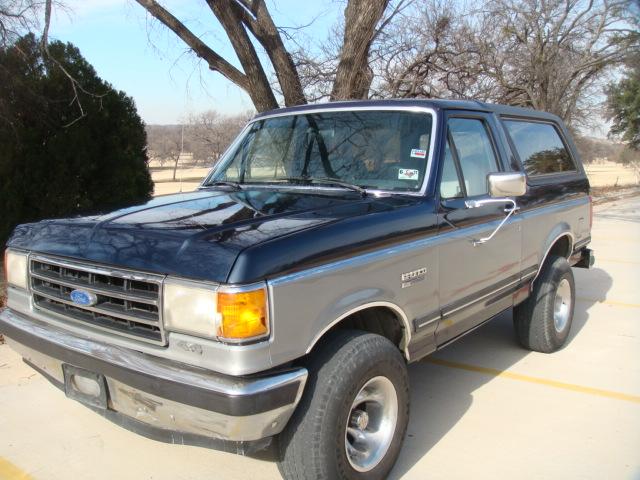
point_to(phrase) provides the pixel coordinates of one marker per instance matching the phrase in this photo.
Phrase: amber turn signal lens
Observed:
(242, 315)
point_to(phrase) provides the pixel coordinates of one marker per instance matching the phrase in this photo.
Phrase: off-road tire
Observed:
(312, 446)
(534, 318)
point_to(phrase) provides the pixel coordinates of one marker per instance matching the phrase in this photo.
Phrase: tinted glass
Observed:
(449, 184)
(475, 152)
(540, 147)
(383, 150)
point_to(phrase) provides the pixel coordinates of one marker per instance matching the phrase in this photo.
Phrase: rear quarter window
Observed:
(540, 147)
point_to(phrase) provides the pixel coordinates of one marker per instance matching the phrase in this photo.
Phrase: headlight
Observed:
(189, 307)
(230, 314)
(15, 265)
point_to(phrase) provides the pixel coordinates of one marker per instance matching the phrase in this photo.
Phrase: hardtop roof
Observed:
(436, 104)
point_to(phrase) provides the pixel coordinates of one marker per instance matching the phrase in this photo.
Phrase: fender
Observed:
(559, 231)
(406, 334)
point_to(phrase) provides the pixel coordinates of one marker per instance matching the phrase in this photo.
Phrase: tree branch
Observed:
(215, 61)
(258, 85)
(257, 19)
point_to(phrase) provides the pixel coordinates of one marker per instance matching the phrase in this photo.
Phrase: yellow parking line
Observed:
(8, 471)
(609, 302)
(541, 381)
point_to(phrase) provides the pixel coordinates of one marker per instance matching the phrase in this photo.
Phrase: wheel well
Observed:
(379, 320)
(562, 247)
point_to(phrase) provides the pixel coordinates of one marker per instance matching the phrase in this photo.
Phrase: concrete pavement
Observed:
(482, 408)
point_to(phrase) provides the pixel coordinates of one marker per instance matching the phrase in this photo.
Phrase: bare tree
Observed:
(551, 55)
(354, 75)
(239, 18)
(349, 43)
(18, 17)
(555, 52)
(166, 144)
(428, 52)
(210, 133)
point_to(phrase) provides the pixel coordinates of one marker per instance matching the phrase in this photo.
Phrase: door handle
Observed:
(486, 201)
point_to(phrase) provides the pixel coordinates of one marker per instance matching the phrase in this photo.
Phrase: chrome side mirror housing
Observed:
(507, 184)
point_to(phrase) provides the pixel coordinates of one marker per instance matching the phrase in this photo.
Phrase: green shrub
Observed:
(60, 154)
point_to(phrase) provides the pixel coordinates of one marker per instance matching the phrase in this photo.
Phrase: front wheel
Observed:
(353, 415)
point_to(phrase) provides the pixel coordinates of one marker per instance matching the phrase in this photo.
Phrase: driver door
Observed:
(476, 280)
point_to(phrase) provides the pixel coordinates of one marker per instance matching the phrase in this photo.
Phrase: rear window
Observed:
(540, 147)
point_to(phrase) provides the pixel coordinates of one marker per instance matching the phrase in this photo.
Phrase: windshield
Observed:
(382, 150)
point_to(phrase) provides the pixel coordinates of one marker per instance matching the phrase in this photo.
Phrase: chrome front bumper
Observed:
(160, 398)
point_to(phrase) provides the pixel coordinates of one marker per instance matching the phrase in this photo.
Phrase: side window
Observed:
(450, 183)
(539, 147)
(474, 151)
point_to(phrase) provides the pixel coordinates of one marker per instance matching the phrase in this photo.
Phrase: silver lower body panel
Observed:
(177, 399)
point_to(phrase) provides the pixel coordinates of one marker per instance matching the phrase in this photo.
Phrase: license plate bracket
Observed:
(85, 386)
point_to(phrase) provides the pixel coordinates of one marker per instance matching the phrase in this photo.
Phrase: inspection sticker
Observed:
(408, 174)
(418, 153)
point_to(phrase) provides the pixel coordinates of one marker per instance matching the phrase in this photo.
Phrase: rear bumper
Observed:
(163, 399)
(583, 258)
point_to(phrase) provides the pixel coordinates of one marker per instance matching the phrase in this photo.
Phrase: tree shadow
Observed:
(619, 217)
(439, 398)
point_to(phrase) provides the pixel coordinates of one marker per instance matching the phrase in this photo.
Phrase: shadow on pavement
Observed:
(440, 396)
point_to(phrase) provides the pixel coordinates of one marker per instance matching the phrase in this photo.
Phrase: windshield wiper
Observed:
(225, 183)
(328, 181)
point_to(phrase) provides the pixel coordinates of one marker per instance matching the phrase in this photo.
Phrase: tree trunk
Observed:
(354, 76)
(258, 20)
(175, 166)
(258, 86)
(253, 81)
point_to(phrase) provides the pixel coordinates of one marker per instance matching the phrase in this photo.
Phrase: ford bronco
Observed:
(282, 301)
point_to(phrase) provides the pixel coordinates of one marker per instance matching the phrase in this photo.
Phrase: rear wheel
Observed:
(543, 321)
(353, 415)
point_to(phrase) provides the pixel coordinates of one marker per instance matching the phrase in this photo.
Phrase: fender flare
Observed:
(406, 334)
(561, 230)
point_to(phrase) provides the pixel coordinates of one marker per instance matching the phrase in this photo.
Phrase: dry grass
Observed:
(611, 193)
(607, 174)
(188, 178)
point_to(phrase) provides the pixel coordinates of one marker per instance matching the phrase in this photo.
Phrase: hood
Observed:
(196, 235)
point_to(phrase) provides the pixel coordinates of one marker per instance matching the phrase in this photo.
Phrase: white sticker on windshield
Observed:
(418, 153)
(408, 174)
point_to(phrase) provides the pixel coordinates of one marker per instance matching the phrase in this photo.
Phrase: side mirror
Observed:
(502, 185)
(507, 184)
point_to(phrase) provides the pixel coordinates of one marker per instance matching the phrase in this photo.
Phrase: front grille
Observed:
(127, 303)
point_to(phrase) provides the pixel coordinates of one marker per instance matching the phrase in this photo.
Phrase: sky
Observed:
(138, 55)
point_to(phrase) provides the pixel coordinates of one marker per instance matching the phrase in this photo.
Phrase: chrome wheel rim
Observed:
(562, 305)
(371, 424)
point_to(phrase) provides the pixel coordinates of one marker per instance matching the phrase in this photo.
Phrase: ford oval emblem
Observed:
(83, 298)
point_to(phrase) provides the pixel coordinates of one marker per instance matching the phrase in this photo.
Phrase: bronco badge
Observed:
(414, 276)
